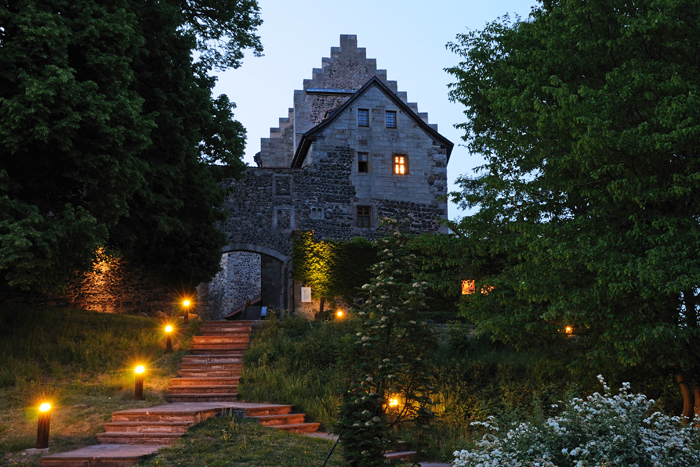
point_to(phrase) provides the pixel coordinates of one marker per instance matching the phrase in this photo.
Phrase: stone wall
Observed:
(116, 286)
(238, 280)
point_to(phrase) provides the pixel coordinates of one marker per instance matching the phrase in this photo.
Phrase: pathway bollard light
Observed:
(138, 385)
(42, 432)
(186, 304)
(168, 341)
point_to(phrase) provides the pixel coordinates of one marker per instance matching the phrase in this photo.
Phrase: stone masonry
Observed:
(322, 170)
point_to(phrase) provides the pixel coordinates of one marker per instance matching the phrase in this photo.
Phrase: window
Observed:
(364, 216)
(362, 117)
(400, 165)
(317, 213)
(391, 119)
(362, 162)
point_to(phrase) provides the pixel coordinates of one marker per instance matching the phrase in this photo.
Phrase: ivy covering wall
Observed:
(333, 268)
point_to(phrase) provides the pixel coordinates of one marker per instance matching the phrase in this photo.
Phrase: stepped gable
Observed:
(340, 76)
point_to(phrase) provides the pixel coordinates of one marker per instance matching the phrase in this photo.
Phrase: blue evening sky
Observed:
(406, 37)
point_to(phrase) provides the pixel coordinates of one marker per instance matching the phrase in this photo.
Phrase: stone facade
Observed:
(310, 174)
(238, 280)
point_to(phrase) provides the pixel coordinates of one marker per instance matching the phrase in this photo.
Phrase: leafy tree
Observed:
(388, 375)
(107, 128)
(588, 116)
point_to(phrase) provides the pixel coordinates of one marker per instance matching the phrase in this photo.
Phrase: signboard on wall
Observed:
(306, 295)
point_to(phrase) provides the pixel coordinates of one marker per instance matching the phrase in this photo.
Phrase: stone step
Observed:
(147, 427)
(209, 373)
(257, 410)
(213, 358)
(298, 427)
(210, 381)
(237, 345)
(168, 413)
(225, 330)
(101, 455)
(228, 326)
(205, 397)
(130, 437)
(285, 419)
(230, 364)
(216, 339)
(400, 455)
(219, 352)
(203, 389)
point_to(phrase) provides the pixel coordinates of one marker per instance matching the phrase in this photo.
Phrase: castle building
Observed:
(351, 151)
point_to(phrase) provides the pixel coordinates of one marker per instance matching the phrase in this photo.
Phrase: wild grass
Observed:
(235, 442)
(296, 362)
(82, 363)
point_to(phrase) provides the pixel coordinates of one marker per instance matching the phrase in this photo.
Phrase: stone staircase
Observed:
(206, 387)
(212, 371)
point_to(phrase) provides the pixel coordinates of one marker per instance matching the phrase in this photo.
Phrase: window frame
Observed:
(366, 162)
(366, 214)
(359, 121)
(395, 119)
(395, 164)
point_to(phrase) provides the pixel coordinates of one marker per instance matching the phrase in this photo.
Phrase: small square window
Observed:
(391, 119)
(362, 162)
(400, 165)
(363, 117)
(364, 217)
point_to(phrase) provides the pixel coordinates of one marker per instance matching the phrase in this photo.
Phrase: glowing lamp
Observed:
(138, 383)
(393, 402)
(569, 330)
(186, 303)
(339, 313)
(168, 329)
(42, 431)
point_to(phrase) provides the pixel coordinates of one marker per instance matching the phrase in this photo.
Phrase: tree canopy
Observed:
(588, 116)
(108, 129)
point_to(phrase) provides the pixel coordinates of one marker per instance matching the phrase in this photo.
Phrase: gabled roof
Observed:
(313, 134)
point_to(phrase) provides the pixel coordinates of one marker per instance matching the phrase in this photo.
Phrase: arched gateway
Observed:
(351, 151)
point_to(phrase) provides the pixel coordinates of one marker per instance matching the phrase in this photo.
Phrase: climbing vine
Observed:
(333, 268)
(387, 373)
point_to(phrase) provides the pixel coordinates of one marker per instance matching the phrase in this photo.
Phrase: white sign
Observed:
(306, 295)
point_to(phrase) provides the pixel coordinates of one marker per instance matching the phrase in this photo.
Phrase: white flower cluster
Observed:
(608, 430)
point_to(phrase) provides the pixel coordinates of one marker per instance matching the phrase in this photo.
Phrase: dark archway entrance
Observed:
(248, 272)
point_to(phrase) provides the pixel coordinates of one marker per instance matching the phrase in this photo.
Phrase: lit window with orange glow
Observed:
(468, 286)
(569, 329)
(400, 165)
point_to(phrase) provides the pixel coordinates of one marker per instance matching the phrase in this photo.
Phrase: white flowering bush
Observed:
(602, 430)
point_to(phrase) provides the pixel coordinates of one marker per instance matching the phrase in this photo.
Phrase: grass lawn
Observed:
(234, 442)
(82, 363)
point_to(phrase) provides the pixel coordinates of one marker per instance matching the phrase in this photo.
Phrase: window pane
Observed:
(390, 119)
(363, 117)
(400, 163)
(362, 162)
